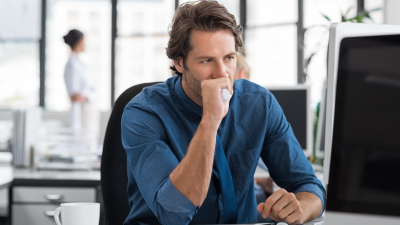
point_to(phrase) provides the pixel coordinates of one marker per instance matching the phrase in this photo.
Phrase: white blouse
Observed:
(77, 79)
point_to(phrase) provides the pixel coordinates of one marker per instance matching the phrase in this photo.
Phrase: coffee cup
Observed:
(78, 214)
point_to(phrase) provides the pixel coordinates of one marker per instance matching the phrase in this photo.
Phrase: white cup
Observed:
(78, 214)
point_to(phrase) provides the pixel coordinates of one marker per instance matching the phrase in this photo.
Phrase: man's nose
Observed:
(220, 70)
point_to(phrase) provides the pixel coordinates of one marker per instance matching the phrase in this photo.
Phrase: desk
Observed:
(22, 181)
(34, 195)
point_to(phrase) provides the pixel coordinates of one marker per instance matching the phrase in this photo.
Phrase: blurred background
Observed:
(126, 40)
(285, 41)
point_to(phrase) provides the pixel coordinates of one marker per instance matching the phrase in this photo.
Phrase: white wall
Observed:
(392, 9)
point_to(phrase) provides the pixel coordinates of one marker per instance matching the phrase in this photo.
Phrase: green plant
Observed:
(359, 18)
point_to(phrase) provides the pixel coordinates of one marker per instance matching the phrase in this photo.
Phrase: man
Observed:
(190, 159)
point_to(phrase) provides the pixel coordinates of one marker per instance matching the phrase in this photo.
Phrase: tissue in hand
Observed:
(225, 95)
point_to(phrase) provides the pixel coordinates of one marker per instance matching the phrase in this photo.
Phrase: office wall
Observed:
(392, 15)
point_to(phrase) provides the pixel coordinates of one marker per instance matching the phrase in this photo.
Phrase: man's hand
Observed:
(282, 206)
(214, 108)
(78, 98)
(292, 208)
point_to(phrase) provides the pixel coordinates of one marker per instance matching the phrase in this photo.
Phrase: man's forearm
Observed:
(310, 204)
(192, 176)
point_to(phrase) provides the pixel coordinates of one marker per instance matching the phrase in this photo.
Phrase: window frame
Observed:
(243, 21)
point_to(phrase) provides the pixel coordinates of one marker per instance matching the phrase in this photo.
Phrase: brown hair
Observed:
(203, 15)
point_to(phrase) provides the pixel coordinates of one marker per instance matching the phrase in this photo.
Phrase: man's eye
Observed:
(205, 61)
(229, 58)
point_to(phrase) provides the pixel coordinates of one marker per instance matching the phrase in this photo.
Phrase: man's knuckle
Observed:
(269, 201)
(291, 196)
(275, 209)
(281, 215)
(290, 220)
(283, 190)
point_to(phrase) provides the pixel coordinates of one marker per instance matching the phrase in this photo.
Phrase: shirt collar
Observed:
(184, 101)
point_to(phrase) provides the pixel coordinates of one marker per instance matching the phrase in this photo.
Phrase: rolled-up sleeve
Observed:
(316, 190)
(284, 157)
(151, 160)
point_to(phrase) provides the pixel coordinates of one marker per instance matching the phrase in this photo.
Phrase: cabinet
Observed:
(34, 195)
(36, 205)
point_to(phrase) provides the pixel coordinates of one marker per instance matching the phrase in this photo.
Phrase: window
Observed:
(317, 35)
(142, 26)
(93, 18)
(316, 38)
(272, 55)
(19, 74)
(19, 53)
(231, 5)
(142, 36)
(261, 12)
(377, 16)
(271, 41)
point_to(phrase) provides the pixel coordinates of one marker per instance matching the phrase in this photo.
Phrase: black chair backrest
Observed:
(113, 170)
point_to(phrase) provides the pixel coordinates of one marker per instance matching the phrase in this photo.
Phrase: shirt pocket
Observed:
(243, 166)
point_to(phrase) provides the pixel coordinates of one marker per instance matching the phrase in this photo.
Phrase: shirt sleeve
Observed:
(151, 160)
(89, 93)
(284, 157)
(71, 79)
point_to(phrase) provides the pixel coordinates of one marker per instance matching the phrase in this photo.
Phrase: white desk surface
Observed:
(8, 174)
(33, 174)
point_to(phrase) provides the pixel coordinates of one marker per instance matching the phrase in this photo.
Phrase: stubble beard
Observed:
(193, 83)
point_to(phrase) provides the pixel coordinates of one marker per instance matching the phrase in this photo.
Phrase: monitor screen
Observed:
(294, 106)
(365, 159)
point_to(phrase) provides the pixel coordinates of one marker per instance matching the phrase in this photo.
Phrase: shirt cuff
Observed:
(315, 189)
(172, 200)
(88, 94)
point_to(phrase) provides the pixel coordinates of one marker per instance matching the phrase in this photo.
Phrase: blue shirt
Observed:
(157, 127)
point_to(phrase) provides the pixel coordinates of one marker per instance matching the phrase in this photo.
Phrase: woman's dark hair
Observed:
(73, 37)
(202, 15)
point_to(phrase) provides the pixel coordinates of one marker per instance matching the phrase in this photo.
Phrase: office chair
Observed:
(113, 169)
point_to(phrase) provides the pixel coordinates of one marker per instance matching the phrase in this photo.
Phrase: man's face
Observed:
(213, 56)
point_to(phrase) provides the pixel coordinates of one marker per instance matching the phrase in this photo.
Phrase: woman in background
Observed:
(80, 87)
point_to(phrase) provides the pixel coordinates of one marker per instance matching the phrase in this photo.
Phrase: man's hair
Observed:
(203, 15)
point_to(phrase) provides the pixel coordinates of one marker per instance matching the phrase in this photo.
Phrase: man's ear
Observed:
(178, 63)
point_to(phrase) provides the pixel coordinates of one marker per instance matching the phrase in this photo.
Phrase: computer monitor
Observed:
(362, 157)
(337, 32)
(295, 103)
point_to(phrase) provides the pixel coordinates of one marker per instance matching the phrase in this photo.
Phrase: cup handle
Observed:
(56, 215)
